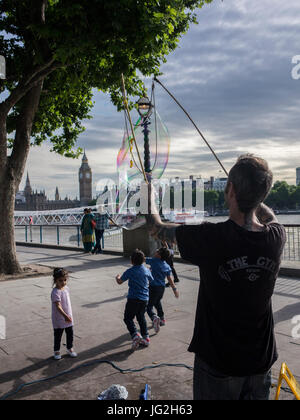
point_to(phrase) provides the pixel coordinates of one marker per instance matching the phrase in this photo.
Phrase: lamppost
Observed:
(145, 109)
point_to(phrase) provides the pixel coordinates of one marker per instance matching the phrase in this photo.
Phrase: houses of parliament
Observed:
(29, 200)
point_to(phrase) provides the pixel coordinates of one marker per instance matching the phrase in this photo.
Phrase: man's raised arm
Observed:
(160, 230)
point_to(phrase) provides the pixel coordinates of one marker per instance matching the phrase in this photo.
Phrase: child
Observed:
(160, 270)
(170, 261)
(137, 299)
(62, 317)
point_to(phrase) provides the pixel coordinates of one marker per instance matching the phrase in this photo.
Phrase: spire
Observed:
(84, 159)
(28, 189)
(57, 194)
(27, 180)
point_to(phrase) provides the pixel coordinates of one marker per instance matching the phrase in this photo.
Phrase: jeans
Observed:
(58, 333)
(212, 385)
(99, 234)
(155, 296)
(136, 308)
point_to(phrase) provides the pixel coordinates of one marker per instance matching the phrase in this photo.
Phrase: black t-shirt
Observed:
(234, 327)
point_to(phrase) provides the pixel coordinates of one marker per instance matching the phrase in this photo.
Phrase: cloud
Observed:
(232, 72)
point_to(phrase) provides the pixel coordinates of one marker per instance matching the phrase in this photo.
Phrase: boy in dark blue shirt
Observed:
(138, 277)
(160, 271)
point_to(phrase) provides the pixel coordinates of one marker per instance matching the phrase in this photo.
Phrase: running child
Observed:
(170, 261)
(62, 317)
(138, 277)
(160, 271)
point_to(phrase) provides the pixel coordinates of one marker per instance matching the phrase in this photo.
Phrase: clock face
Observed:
(80, 176)
(88, 175)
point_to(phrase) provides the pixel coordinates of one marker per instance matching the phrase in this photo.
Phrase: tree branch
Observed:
(21, 146)
(22, 89)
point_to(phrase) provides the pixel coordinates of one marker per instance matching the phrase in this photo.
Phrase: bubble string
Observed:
(186, 113)
(126, 147)
(132, 129)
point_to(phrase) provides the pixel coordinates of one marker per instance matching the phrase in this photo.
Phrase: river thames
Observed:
(113, 239)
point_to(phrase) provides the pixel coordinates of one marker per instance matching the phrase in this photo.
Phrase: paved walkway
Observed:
(98, 305)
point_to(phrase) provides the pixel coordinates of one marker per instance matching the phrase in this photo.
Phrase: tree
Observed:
(211, 200)
(295, 197)
(56, 52)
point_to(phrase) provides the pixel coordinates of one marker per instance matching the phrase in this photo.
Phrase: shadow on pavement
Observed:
(96, 304)
(287, 313)
(50, 367)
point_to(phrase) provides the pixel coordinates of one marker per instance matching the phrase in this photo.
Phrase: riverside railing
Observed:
(70, 235)
(64, 235)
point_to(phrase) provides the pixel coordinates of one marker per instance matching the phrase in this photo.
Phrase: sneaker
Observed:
(156, 322)
(145, 341)
(72, 354)
(57, 356)
(162, 322)
(136, 341)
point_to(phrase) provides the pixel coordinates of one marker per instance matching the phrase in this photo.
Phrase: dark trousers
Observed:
(136, 309)
(212, 385)
(155, 296)
(99, 234)
(171, 264)
(58, 333)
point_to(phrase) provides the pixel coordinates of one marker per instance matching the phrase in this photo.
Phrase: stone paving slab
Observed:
(100, 334)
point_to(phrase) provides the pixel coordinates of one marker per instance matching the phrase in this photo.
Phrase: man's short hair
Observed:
(137, 257)
(252, 180)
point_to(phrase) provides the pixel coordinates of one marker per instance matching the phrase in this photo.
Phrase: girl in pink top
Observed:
(62, 317)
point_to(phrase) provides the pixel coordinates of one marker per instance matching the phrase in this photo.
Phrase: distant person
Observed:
(88, 231)
(62, 317)
(234, 341)
(170, 261)
(102, 222)
(138, 277)
(160, 270)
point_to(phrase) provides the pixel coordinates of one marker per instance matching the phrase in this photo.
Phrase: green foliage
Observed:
(92, 43)
(284, 196)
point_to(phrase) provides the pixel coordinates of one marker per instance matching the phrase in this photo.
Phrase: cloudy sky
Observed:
(233, 73)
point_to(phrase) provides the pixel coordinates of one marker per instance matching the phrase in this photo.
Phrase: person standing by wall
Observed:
(88, 231)
(102, 223)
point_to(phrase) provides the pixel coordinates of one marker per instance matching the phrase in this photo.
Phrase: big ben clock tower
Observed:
(85, 182)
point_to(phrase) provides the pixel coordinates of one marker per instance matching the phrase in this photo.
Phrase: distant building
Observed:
(219, 184)
(29, 200)
(85, 182)
(298, 176)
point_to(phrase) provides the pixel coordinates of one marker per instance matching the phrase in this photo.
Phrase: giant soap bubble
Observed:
(130, 171)
(170, 195)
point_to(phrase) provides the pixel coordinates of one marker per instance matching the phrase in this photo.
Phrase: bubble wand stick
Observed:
(189, 117)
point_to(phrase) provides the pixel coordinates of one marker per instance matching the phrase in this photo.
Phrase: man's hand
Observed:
(265, 215)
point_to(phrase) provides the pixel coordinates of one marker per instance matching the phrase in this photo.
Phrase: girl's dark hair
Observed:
(58, 273)
(138, 257)
(164, 253)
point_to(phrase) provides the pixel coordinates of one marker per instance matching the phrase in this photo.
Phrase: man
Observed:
(102, 223)
(234, 340)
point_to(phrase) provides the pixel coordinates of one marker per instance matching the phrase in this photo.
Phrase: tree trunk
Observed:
(11, 173)
(8, 257)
